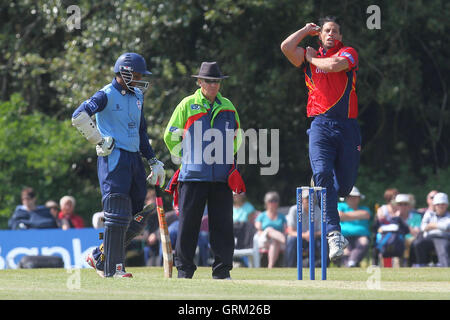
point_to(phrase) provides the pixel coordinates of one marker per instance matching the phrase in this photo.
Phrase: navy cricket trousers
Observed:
(334, 153)
(193, 196)
(123, 172)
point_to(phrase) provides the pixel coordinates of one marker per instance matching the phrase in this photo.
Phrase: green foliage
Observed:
(402, 82)
(40, 152)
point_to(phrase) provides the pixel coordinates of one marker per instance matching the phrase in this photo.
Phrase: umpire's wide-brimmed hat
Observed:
(209, 70)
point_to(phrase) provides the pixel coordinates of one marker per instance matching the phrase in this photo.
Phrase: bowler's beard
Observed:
(328, 47)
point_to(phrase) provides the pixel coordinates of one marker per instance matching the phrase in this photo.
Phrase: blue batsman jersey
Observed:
(121, 118)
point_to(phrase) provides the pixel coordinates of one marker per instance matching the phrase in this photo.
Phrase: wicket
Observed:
(313, 192)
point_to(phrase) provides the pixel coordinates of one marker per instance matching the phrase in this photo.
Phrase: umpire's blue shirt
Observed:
(119, 114)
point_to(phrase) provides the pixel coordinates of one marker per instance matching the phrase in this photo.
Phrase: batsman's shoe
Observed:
(336, 243)
(93, 263)
(121, 273)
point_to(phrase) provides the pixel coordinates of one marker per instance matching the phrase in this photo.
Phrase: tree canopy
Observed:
(49, 66)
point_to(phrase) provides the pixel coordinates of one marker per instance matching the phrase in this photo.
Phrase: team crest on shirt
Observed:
(139, 104)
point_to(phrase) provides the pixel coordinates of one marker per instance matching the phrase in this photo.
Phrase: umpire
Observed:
(202, 120)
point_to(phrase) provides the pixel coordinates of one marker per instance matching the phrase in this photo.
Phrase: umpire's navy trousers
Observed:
(193, 196)
(334, 152)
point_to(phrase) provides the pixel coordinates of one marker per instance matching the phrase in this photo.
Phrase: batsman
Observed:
(120, 138)
(334, 136)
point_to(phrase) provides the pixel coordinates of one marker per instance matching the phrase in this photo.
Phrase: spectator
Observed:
(413, 219)
(404, 208)
(436, 233)
(392, 229)
(67, 214)
(386, 210)
(355, 228)
(244, 214)
(54, 210)
(29, 215)
(291, 244)
(243, 210)
(430, 196)
(271, 226)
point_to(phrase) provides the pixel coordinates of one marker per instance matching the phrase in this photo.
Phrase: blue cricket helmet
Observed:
(128, 63)
(132, 60)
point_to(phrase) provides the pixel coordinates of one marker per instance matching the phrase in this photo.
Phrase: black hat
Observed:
(209, 70)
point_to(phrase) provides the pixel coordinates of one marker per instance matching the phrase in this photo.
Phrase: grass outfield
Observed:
(247, 284)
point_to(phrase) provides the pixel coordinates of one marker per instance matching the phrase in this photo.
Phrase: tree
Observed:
(402, 82)
(42, 152)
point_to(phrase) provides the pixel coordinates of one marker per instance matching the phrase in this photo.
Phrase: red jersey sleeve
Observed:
(351, 56)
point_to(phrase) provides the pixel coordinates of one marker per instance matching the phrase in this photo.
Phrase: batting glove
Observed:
(105, 147)
(158, 175)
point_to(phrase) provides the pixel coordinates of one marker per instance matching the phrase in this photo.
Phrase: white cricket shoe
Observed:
(336, 243)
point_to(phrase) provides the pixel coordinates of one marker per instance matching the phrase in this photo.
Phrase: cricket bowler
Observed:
(334, 135)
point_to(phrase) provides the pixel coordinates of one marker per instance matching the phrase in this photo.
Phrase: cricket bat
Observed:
(165, 239)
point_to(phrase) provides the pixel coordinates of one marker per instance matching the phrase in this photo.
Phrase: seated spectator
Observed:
(385, 210)
(291, 244)
(436, 233)
(355, 228)
(392, 229)
(54, 210)
(413, 219)
(67, 214)
(29, 215)
(271, 226)
(244, 214)
(429, 207)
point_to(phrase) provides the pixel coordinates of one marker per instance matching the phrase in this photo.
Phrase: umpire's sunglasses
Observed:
(212, 80)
